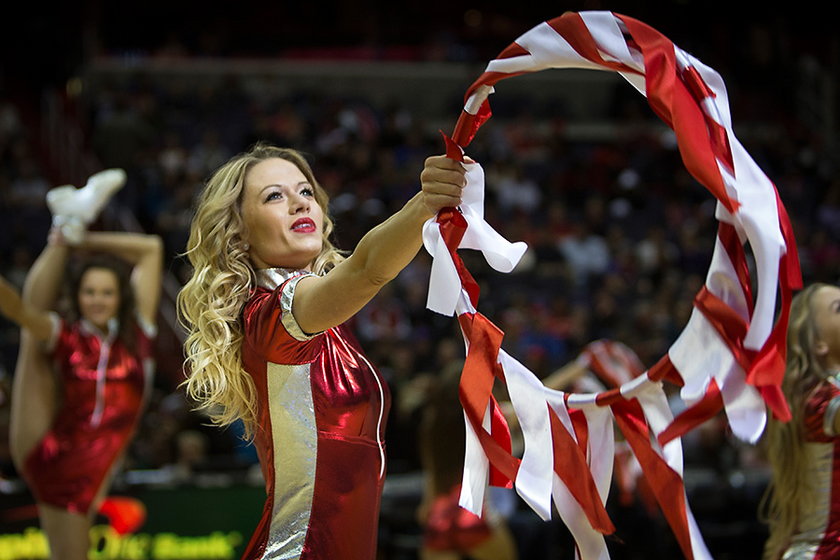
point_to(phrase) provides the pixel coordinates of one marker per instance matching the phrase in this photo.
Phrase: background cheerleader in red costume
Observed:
(802, 499)
(82, 380)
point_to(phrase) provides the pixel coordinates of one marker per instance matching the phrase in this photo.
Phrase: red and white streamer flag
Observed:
(731, 353)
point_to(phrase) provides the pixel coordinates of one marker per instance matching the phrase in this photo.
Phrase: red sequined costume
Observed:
(818, 534)
(103, 393)
(321, 411)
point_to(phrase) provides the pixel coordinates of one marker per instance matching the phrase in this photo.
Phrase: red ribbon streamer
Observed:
(767, 371)
(571, 466)
(701, 411)
(672, 100)
(677, 97)
(665, 482)
(728, 238)
(475, 393)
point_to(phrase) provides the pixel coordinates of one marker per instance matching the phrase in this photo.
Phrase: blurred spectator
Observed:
(207, 155)
(121, 132)
(585, 251)
(191, 450)
(29, 187)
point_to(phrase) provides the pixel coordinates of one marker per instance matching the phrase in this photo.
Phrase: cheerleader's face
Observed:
(283, 221)
(826, 306)
(99, 296)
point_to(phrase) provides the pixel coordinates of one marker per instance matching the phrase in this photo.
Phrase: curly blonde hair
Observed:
(787, 495)
(211, 302)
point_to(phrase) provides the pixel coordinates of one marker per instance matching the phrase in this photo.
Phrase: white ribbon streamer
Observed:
(502, 255)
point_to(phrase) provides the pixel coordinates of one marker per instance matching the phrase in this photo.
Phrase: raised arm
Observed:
(324, 302)
(44, 279)
(36, 321)
(145, 253)
(562, 378)
(40, 290)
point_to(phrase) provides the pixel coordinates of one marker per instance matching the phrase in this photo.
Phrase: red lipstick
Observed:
(303, 225)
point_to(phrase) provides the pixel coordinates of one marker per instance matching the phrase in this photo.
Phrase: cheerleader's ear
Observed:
(820, 348)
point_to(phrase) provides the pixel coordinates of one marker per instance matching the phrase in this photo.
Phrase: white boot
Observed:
(99, 189)
(72, 228)
(74, 209)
